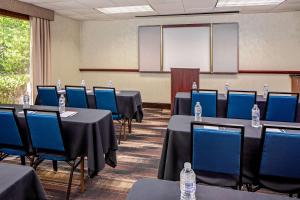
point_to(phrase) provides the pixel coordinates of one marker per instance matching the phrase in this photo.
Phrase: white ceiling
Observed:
(85, 9)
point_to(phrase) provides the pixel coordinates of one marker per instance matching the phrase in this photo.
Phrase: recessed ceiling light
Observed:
(126, 9)
(230, 3)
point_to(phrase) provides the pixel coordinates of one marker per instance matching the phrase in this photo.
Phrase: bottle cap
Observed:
(187, 165)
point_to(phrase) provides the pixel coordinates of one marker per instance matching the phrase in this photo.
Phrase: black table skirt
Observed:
(177, 146)
(168, 190)
(182, 105)
(90, 133)
(129, 103)
(19, 182)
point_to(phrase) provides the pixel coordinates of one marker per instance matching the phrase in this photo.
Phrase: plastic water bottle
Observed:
(198, 112)
(58, 85)
(265, 91)
(83, 84)
(62, 104)
(110, 84)
(255, 116)
(226, 88)
(187, 183)
(26, 99)
(194, 86)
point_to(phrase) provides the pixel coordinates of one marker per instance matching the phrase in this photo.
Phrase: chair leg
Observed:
(70, 180)
(22, 160)
(54, 165)
(124, 129)
(36, 163)
(129, 125)
(120, 134)
(82, 184)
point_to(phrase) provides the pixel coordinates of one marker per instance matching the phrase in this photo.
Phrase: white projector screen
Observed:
(186, 47)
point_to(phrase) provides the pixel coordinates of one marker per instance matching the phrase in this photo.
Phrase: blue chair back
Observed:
(106, 99)
(240, 104)
(217, 151)
(9, 129)
(279, 155)
(47, 95)
(76, 96)
(45, 130)
(208, 100)
(282, 107)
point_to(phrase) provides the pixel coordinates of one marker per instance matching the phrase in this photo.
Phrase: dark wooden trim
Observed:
(157, 105)
(185, 25)
(268, 72)
(107, 70)
(7, 13)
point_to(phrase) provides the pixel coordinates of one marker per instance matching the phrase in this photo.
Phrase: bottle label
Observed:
(190, 187)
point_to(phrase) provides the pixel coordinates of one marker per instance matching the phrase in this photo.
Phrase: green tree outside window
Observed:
(14, 58)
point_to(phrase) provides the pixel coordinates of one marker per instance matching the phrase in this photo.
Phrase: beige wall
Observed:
(267, 42)
(65, 50)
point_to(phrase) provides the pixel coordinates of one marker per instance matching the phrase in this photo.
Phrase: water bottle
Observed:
(58, 85)
(198, 112)
(255, 122)
(187, 183)
(265, 91)
(26, 99)
(83, 83)
(110, 84)
(226, 88)
(62, 104)
(194, 86)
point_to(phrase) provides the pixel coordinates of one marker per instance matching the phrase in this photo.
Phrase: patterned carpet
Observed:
(138, 158)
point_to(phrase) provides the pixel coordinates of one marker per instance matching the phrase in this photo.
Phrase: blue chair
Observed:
(208, 100)
(47, 96)
(106, 99)
(240, 104)
(217, 154)
(76, 96)
(279, 168)
(11, 140)
(45, 130)
(282, 107)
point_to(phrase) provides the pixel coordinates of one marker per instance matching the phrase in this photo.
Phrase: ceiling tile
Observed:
(129, 2)
(62, 5)
(96, 3)
(196, 4)
(168, 8)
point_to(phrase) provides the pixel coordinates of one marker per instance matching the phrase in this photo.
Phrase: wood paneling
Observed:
(268, 72)
(26, 9)
(107, 70)
(295, 84)
(182, 81)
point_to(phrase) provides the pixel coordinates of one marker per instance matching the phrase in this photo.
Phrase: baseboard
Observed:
(157, 105)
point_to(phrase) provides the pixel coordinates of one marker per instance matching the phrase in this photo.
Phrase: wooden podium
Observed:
(182, 80)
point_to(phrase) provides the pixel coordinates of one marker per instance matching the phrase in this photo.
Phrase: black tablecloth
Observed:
(129, 103)
(19, 182)
(90, 132)
(168, 190)
(182, 105)
(177, 146)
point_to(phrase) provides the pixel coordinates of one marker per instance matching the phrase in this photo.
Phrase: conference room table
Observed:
(177, 145)
(129, 104)
(182, 105)
(19, 182)
(150, 189)
(89, 132)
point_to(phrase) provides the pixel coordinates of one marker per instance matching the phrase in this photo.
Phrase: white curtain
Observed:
(40, 53)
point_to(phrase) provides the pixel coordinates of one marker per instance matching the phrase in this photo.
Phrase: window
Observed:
(14, 58)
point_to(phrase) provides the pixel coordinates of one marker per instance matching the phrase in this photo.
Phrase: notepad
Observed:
(68, 114)
(211, 127)
(22, 112)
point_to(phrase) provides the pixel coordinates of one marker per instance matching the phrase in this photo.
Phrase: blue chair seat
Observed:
(14, 152)
(52, 157)
(117, 116)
